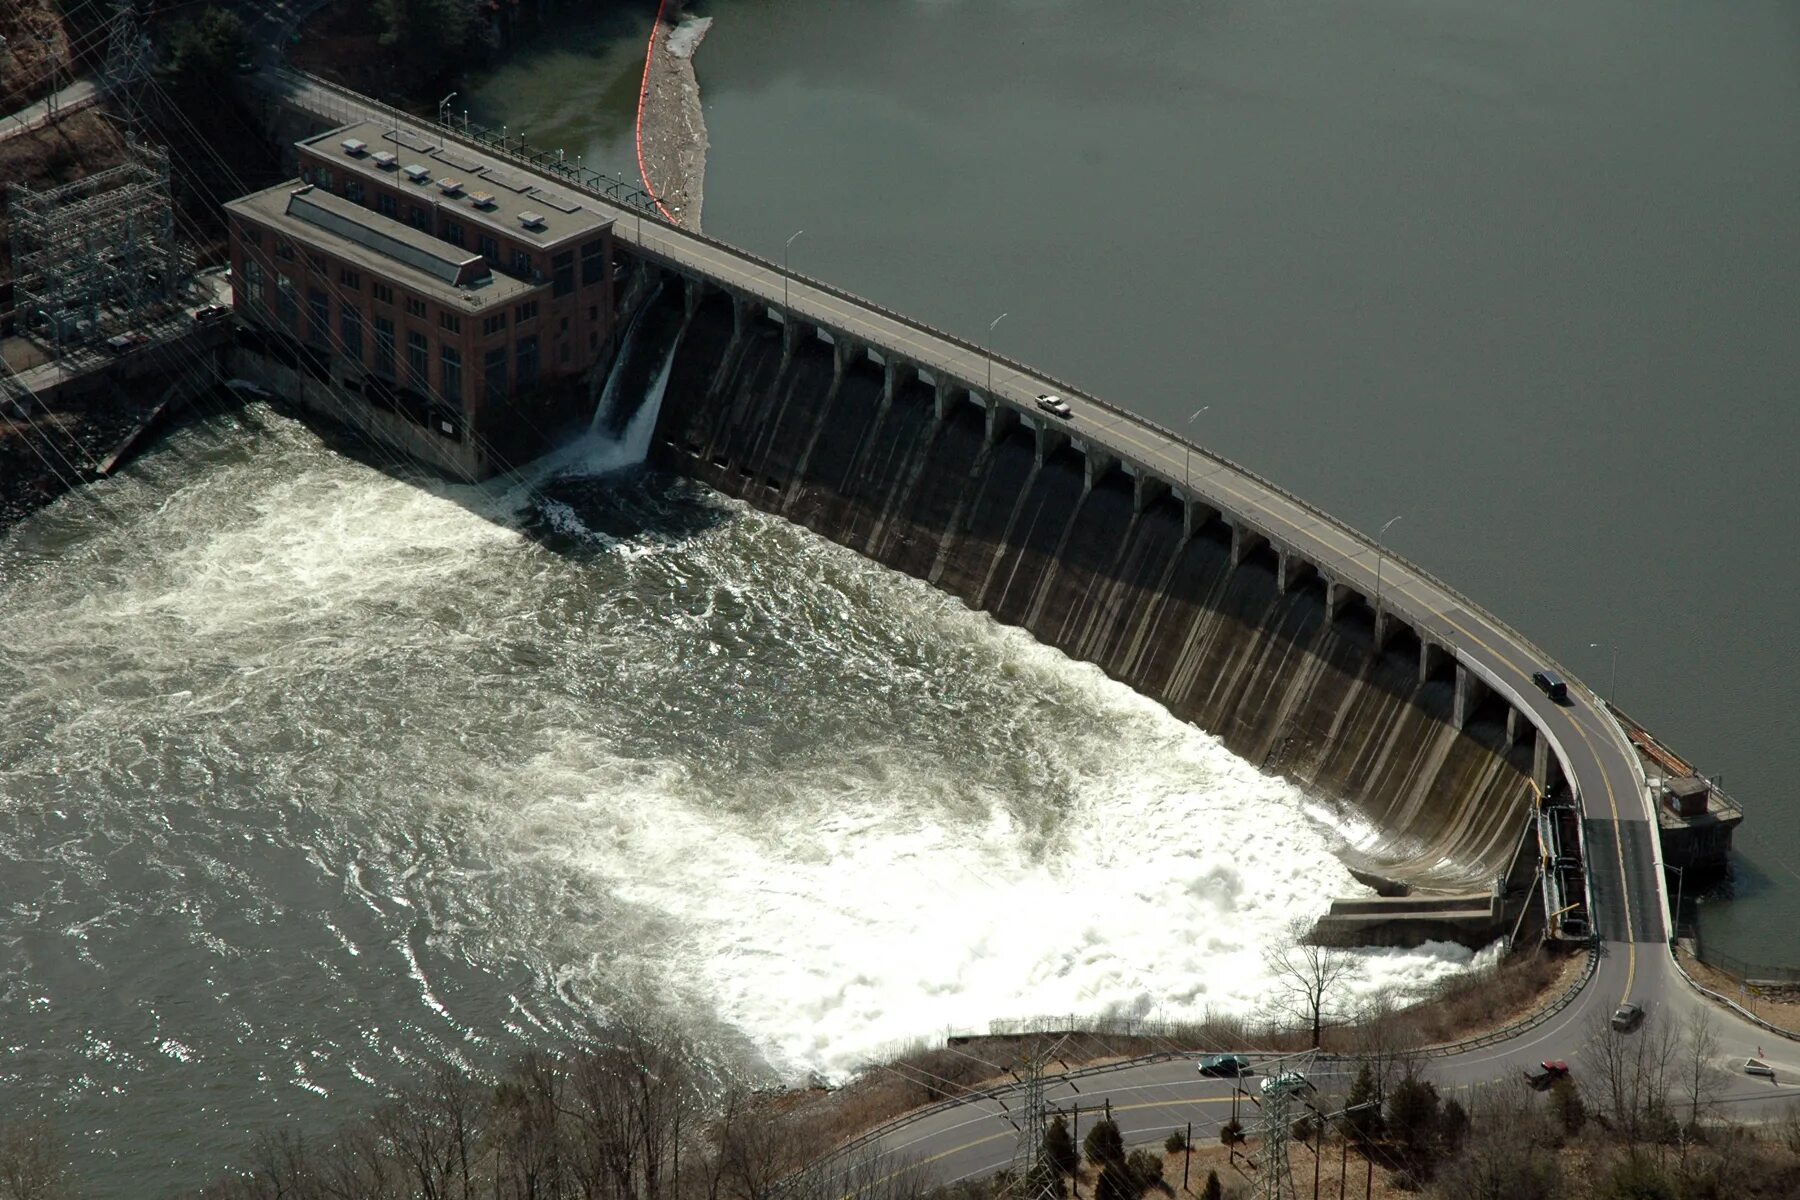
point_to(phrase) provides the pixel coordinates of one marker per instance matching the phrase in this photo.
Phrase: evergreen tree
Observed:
(1212, 1190)
(1104, 1146)
(1566, 1103)
(1059, 1148)
(1412, 1115)
(1365, 1124)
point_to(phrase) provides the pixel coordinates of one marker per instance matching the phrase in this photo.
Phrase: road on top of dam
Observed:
(1627, 892)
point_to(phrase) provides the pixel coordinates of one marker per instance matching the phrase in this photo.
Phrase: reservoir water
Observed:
(1526, 276)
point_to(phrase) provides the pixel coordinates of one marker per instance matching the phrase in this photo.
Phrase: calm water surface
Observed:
(1526, 275)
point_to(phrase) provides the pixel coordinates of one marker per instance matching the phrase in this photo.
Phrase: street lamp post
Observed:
(1612, 678)
(1378, 556)
(443, 110)
(989, 352)
(1675, 916)
(784, 265)
(1187, 461)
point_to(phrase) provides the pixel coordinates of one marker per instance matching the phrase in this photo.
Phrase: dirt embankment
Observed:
(36, 49)
(671, 127)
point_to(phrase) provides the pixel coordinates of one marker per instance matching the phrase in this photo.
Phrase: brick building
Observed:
(456, 297)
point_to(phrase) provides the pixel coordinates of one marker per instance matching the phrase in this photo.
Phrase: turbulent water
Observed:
(311, 773)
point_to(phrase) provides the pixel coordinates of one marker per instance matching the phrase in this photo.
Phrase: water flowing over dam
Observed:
(873, 460)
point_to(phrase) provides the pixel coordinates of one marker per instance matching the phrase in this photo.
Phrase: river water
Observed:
(316, 773)
(1525, 275)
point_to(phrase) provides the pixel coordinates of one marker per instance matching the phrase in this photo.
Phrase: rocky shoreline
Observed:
(672, 140)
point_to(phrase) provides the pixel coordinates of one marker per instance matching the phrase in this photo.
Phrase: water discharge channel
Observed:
(315, 775)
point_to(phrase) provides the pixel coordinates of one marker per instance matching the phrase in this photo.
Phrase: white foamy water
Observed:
(314, 775)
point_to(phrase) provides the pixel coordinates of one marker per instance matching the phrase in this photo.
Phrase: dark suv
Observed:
(1552, 685)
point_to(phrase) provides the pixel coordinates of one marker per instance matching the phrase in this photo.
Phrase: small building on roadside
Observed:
(451, 303)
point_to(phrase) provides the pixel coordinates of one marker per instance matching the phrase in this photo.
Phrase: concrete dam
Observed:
(1009, 513)
(1478, 806)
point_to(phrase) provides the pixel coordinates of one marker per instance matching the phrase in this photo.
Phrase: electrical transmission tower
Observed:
(128, 53)
(1284, 1093)
(1032, 1177)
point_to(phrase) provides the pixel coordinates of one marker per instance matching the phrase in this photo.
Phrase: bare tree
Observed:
(1307, 975)
(1385, 1038)
(1508, 1154)
(31, 1161)
(1630, 1076)
(1700, 1081)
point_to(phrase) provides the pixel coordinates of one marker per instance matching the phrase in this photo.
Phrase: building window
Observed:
(492, 325)
(252, 234)
(318, 325)
(494, 373)
(384, 347)
(526, 311)
(350, 279)
(350, 324)
(564, 326)
(353, 191)
(593, 312)
(525, 366)
(562, 273)
(316, 262)
(521, 264)
(284, 250)
(253, 283)
(415, 307)
(490, 249)
(450, 374)
(415, 216)
(453, 233)
(382, 292)
(450, 321)
(287, 303)
(385, 205)
(418, 359)
(593, 262)
(324, 178)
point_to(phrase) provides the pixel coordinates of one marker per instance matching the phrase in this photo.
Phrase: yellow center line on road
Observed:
(995, 1137)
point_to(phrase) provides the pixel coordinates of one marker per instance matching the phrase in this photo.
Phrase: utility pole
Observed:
(1187, 1154)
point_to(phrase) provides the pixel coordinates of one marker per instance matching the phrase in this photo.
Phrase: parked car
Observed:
(1627, 1017)
(209, 313)
(1552, 685)
(1547, 1073)
(1756, 1066)
(1056, 406)
(1225, 1066)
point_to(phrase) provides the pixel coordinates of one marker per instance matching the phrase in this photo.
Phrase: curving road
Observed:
(1628, 897)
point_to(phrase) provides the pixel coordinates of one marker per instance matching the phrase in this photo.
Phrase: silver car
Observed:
(1056, 406)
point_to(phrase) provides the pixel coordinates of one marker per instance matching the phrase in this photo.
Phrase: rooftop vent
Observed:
(416, 173)
(385, 159)
(450, 187)
(355, 147)
(482, 199)
(531, 220)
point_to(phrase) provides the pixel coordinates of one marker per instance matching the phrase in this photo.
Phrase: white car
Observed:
(1056, 406)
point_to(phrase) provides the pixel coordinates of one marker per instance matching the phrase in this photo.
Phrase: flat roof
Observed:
(420, 162)
(410, 257)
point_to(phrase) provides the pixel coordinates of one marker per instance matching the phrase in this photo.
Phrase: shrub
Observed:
(1231, 1133)
(1211, 1190)
(1565, 1103)
(1176, 1142)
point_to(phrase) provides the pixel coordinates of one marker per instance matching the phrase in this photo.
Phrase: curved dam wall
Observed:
(922, 476)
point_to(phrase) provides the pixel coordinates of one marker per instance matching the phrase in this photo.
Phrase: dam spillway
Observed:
(1012, 517)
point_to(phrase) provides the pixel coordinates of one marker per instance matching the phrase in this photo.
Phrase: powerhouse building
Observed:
(450, 301)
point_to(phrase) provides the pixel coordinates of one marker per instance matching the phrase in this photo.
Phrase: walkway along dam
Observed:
(1307, 648)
